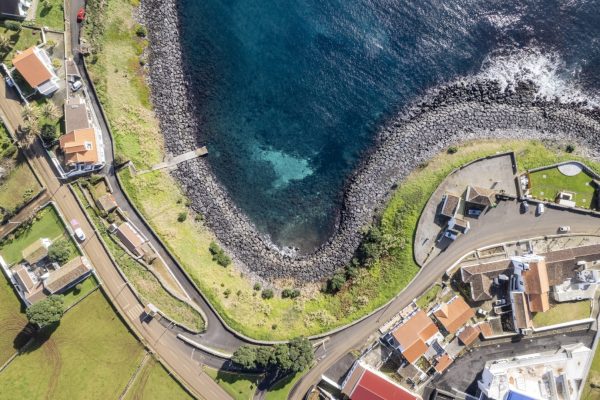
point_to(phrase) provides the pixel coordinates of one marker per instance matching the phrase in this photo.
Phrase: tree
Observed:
(281, 357)
(267, 294)
(59, 252)
(264, 356)
(49, 110)
(4, 42)
(13, 25)
(46, 312)
(300, 353)
(48, 133)
(30, 113)
(31, 129)
(245, 356)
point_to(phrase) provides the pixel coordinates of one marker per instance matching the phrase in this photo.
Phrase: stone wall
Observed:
(449, 115)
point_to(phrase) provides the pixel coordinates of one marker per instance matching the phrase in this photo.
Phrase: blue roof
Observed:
(518, 396)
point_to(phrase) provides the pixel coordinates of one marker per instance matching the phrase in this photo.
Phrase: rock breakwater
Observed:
(463, 111)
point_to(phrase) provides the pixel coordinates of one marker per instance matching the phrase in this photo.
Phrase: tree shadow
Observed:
(45, 10)
(40, 336)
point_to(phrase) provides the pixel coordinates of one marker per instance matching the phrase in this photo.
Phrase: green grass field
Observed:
(591, 389)
(12, 320)
(563, 312)
(91, 355)
(428, 296)
(19, 186)
(51, 16)
(73, 295)
(546, 184)
(281, 389)
(47, 224)
(239, 386)
(154, 383)
(19, 41)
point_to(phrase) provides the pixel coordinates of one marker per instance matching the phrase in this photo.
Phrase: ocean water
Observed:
(290, 93)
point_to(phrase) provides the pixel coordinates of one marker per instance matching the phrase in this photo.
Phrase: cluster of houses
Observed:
(522, 285)
(472, 202)
(37, 277)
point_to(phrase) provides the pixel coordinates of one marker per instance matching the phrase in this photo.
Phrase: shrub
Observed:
(199, 217)
(56, 64)
(336, 282)
(119, 160)
(141, 31)
(182, 216)
(13, 25)
(267, 294)
(290, 293)
(218, 255)
(46, 312)
(95, 178)
(257, 286)
(48, 133)
(570, 148)
(227, 292)
(452, 149)
(110, 218)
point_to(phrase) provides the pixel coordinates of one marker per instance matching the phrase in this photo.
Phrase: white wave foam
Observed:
(554, 80)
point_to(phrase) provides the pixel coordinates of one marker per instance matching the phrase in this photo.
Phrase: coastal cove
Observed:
(159, 198)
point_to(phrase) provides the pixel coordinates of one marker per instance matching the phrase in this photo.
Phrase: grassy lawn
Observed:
(563, 312)
(281, 390)
(90, 355)
(546, 184)
(239, 386)
(428, 296)
(12, 320)
(51, 16)
(153, 382)
(19, 186)
(47, 224)
(21, 40)
(72, 296)
(591, 389)
(144, 282)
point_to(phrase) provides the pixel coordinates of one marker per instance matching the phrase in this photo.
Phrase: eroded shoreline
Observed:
(449, 115)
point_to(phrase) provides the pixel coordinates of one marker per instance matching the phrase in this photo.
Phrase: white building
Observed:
(554, 375)
(14, 9)
(35, 67)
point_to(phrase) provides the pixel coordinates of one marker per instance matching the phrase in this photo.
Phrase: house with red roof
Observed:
(365, 383)
(414, 336)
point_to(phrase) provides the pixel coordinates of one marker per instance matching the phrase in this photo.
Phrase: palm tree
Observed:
(4, 42)
(50, 111)
(31, 129)
(30, 113)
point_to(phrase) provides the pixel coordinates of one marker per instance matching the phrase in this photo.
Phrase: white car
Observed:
(75, 86)
(79, 234)
(564, 229)
(540, 209)
(9, 81)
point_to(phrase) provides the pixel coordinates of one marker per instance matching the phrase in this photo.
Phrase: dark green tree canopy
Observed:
(59, 252)
(46, 312)
(245, 356)
(294, 356)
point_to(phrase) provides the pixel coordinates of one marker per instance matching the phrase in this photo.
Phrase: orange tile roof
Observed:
(454, 314)
(31, 67)
(80, 146)
(469, 334)
(537, 287)
(443, 363)
(486, 329)
(413, 334)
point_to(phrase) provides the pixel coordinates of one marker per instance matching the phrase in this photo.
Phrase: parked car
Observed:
(524, 207)
(75, 86)
(81, 14)
(450, 235)
(540, 209)
(80, 235)
(564, 229)
(474, 212)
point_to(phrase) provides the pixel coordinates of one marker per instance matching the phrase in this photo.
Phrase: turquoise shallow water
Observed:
(290, 93)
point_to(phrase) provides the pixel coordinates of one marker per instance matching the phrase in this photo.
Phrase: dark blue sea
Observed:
(290, 93)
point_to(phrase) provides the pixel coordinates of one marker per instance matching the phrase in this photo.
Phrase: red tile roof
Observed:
(443, 363)
(374, 386)
(454, 314)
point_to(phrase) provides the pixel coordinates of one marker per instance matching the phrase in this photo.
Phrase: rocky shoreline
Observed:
(450, 115)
